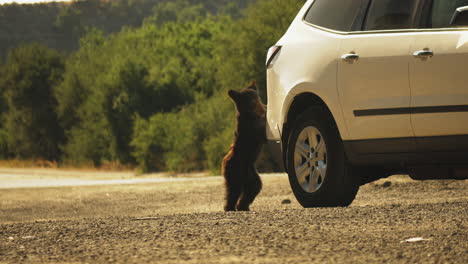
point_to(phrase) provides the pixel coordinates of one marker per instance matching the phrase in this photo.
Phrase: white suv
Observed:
(363, 89)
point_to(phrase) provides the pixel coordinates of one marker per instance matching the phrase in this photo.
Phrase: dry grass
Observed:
(46, 164)
(16, 163)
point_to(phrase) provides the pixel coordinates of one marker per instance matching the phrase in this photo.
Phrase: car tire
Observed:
(318, 170)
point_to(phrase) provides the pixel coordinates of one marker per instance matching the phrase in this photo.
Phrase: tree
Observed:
(138, 72)
(176, 11)
(30, 74)
(3, 109)
(248, 41)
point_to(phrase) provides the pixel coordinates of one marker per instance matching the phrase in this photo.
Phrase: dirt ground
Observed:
(181, 222)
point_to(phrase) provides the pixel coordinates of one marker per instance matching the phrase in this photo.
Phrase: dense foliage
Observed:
(154, 95)
(61, 25)
(30, 123)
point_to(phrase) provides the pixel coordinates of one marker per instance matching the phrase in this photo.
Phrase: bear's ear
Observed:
(252, 85)
(234, 95)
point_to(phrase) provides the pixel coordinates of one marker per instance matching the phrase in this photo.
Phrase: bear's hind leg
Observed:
(251, 189)
(233, 189)
(232, 196)
(233, 184)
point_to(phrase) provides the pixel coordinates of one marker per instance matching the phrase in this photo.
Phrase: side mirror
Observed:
(460, 17)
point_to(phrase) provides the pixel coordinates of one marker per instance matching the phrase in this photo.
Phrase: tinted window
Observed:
(390, 14)
(334, 14)
(442, 11)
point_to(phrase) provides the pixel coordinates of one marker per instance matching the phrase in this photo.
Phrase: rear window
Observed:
(442, 12)
(334, 14)
(391, 14)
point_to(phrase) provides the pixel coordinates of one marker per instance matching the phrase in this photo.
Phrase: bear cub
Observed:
(243, 183)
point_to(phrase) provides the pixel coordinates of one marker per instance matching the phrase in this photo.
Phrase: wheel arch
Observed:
(299, 104)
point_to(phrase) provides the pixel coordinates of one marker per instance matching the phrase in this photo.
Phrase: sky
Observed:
(29, 1)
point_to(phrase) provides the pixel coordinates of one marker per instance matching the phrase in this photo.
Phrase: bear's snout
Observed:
(232, 94)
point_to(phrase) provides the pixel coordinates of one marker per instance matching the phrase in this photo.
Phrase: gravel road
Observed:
(395, 220)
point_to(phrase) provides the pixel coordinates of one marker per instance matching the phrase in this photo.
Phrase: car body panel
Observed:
(379, 79)
(296, 70)
(439, 84)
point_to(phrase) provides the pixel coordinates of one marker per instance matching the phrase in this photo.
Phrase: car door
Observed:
(373, 75)
(439, 75)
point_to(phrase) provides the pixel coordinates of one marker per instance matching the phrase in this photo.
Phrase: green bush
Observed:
(147, 142)
(3, 109)
(191, 139)
(216, 147)
(31, 123)
(89, 142)
(3, 144)
(165, 142)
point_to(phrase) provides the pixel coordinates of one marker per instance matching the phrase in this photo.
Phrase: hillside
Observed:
(61, 25)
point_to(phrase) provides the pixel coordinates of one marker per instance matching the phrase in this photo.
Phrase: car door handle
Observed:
(423, 54)
(350, 57)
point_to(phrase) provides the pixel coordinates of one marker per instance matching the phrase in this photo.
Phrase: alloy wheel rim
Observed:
(310, 159)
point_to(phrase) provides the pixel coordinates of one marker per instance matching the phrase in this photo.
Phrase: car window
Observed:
(334, 14)
(390, 14)
(442, 12)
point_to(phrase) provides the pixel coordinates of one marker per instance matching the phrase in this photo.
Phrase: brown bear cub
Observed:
(243, 183)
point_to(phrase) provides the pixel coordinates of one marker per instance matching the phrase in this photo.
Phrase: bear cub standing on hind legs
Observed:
(243, 183)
